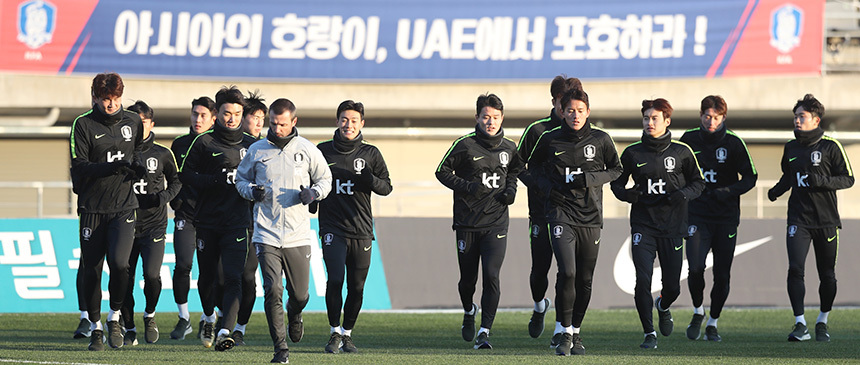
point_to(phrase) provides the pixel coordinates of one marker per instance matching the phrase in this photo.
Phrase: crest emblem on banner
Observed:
(786, 24)
(37, 20)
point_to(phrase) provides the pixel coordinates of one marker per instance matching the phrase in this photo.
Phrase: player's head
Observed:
(713, 113)
(107, 91)
(575, 109)
(282, 117)
(202, 114)
(254, 114)
(229, 104)
(656, 116)
(489, 113)
(559, 86)
(146, 114)
(350, 119)
(807, 113)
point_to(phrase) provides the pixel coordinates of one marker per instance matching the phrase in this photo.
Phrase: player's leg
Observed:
(297, 271)
(234, 250)
(272, 266)
(334, 254)
(723, 246)
(587, 248)
(468, 259)
(671, 254)
(696, 245)
(249, 295)
(493, 245)
(152, 254)
(93, 239)
(357, 267)
(797, 244)
(563, 240)
(208, 253)
(120, 237)
(826, 246)
(644, 251)
(541, 255)
(130, 337)
(184, 246)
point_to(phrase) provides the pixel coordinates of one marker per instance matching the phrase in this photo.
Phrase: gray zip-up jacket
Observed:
(281, 220)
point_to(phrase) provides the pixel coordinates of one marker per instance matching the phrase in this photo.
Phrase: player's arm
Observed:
(749, 175)
(445, 171)
(784, 182)
(692, 174)
(189, 171)
(619, 185)
(171, 176)
(534, 177)
(380, 182)
(841, 176)
(611, 165)
(319, 172)
(246, 174)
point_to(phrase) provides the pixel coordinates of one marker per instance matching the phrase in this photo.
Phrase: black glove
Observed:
(220, 179)
(815, 180)
(146, 201)
(505, 198)
(677, 197)
(307, 195)
(772, 195)
(259, 193)
(556, 197)
(365, 178)
(121, 167)
(632, 195)
(313, 207)
(139, 169)
(578, 182)
(722, 193)
(476, 188)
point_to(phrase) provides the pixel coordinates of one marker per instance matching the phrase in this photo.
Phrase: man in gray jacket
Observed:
(282, 174)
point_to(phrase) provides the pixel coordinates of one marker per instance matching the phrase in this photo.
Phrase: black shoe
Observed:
(238, 338)
(536, 323)
(469, 324)
(564, 346)
(114, 337)
(207, 335)
(348, 346)
(555, 340)
(151, 330)
(694, 329)
(800, 333)
(666, 322)
(83, 329)
(183, 327)
(821, 334)
(577, 348)
(281, 357)
(334, 343)
(96, 341)
(483, 342)
(224, 342)
(296, 328)
(200, 330)
(130, 338)
(650, 342)
(711, 334)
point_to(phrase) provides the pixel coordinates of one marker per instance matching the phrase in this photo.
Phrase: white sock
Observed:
(558, 328)
(112, 316)
(203, 317)
(347, 332)
(822, 317)
(224, 332)
(569, 330)
(336, 330)
(183, 311)
(658, 303)
(540, 307)
(148, 315)
(712, 321)
(240, 328)
(484, 330)
(651, 333)
(574, 330)
(800, 319)
(220, 314)
(85, 315)
(700, 310)
(473, 310)
(96, 326)
(131, 329)
(210, 319)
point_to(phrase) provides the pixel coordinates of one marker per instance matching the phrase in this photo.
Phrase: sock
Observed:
(347, 332)
(651, 333)
(203, 317)
(800, 319)
(658, 303)
(569, 330)
(712, 321)
(575, 330)
(473, 310)
(133, 329)
(112, 316)
(540, 307)
(220, 314)
(210, 319)
(85, 315)
(484, 330)
(148, 315)
(96, 326)
(822, 317)
(700, 310)
(240, 328)
(336, 330)
(558, 328)
(224, 332)
(183, 311)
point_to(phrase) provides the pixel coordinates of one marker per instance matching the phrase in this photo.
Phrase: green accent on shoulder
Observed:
(72, 134)
(509, 139)
(189, 148)
(168, 150)
(693, 129)
(438, 168)
(328, 140)
(180, 136)
(844, 155)
(698, 168)
(526, 131)
(538, 141)
(731, 133)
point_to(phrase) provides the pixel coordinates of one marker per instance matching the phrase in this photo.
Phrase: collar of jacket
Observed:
(106, 119)
(281, 142)
(658, 144)
(227, 135)
(343, 145)
(574, 135)
(715, 136)
(487, 140)
(148, 142)
(809, 138)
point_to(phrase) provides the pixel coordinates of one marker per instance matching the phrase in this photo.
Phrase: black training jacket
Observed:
(527, 144)
(659, 167)
(357, 169)
(161, 170)
(97, 140)
(184, 202)
(722, 156)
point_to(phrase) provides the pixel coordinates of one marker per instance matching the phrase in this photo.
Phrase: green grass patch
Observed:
(610, 336)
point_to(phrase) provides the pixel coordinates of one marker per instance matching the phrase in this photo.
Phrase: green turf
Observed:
(610, 336)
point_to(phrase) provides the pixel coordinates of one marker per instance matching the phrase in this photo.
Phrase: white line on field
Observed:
(47, 362)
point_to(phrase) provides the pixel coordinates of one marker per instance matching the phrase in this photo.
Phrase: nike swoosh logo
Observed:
(598, 241)
(625, 273)
(367, 248)
(217, 154)
(476, 158)
(641, 164)
(240, 239)
(332, 163)
(500, 236)
(181, 156)
(792, 159)
(99, 136)
(679, 247)
(559, 152)
(697, 152)
(830, 239)
(129, 220)
(308, 256)
(733, 235)
(158, 239)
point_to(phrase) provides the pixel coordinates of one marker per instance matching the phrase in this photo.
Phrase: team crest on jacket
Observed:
(589, 151)
(669, 163)
(722, 154)
(504, 158)
(792, 230)
(358, 165)
(327, 238)
(37, 20)
(151, 164)
(180, 224)
(692, 230)
(126, 133)
(298, 158)
(816, 158)
(461, 246)
(86, 233)
(637, 237)
(557, 231)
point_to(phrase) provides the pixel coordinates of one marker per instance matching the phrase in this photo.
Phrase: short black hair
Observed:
(281, 106)
(660, 105)
(140, 107)
(561, 84)
(350, 105)
(490, 100)
(228, 95)
(810, 104)
(575, 94)
(254, 102)
(205, 102)
(106, 85)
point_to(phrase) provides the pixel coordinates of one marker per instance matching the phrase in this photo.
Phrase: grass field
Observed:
(610, 336)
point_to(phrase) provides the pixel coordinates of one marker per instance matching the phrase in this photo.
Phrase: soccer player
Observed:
(814, 166)
(282, 175)
(157, 186)
(665, 176)
(254, 115)
(481, 168)
(346, 219)
(184, 206)
(569, 166)
(221, 216)
(714, 216)
(105, 147)
(541, 249)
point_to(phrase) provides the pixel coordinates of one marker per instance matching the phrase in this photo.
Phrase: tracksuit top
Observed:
(525, 148)
(812, 203)
(722, 155)
(184, 202)
(217, 152)
(560, 157)
(96, 140)
(161, 170)
(357, 169)
(479, 159)
(659, 167)
(281, 220)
